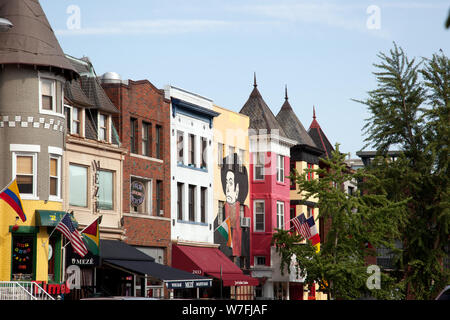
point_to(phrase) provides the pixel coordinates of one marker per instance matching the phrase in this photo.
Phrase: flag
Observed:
(225, 230)
(91, 236)
(307, 228)
(11, 195)
(72, 234)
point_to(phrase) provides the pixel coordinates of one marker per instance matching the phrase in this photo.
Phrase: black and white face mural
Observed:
(234, 180)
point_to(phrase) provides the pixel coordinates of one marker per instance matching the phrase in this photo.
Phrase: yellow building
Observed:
(232, 190)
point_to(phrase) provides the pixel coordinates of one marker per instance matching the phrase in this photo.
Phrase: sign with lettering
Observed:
(88, 261)
(96, 184)
(137, 193)
(189, 284)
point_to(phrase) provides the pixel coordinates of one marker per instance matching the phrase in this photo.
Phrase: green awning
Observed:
(47, 218)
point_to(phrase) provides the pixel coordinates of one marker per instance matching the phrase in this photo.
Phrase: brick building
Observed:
(144, 130)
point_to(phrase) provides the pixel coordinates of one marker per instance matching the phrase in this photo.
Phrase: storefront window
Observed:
(22, 258)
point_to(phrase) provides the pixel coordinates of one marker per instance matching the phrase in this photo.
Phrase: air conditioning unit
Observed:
(161, 213)
(245, 222)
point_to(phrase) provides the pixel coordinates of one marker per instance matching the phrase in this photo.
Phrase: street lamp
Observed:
(5, 25)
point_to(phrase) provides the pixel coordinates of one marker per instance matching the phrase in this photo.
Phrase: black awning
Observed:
(118, 250)
(174, 278)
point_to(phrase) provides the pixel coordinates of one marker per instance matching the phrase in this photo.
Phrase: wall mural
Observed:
(234, 179)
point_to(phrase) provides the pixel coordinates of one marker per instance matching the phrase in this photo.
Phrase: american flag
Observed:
(72, 234)
(302, 226)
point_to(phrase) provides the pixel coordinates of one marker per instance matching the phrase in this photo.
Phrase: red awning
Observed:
(210, 261)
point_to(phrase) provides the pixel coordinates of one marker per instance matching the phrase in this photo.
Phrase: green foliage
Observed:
(355, 220)
(410, 111)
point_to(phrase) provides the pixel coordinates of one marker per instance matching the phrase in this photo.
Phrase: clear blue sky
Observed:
(323, 50)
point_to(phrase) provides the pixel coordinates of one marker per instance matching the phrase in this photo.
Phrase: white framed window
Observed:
(258, 166)
(78, 185)
(280, 168)
(25, 172)
(241, 157)
(103, 128)
(230, 157)
(220, 148)
(74, 120)
(259, 215)
(55, 177)
(47, 90)
(280, 215)
(141, 196)
(180, 147)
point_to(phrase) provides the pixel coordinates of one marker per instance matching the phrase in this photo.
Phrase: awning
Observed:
(121, 255)
(212, 262)
(46, 218)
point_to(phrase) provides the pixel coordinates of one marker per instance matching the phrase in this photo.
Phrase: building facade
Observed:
(144, 130)
(32, 130)
(269, 192)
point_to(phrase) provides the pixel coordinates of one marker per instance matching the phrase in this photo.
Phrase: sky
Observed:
(323, 51)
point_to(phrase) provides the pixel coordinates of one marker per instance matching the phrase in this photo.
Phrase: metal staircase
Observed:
(10, 290)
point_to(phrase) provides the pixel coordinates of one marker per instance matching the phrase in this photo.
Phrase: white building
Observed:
(192, 171)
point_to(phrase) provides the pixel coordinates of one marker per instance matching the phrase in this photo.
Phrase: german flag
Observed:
(91, 236)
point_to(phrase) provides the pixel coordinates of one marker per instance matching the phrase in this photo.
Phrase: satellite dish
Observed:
(5, 24)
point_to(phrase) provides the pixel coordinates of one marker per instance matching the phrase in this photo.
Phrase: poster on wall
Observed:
(22, 257)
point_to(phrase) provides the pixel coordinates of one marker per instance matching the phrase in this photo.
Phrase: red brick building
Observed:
(144, 130)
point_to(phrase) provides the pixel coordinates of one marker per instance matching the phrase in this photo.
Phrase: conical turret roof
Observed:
(31, 41)
(261, 117)
(292, 126)
(319, 137)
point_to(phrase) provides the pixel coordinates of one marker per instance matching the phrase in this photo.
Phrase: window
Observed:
(204, 154)
(260, 261)
(259, 218)
(78, 179)
(220, 147)
(280, 168)
(280, 215)
(22, 259)
(105, 190)
(159, 198)
(158, 146)
(191, 203)
(55, 174)
(203, 195)
(180, 147)
(310, 174)
(76, 121)
(48, 94)
(180, 194)
(230, 158)
(241, 157)
(310, 212)
(140, 195)
(293, 172)
(133, 140)
(26, 174)
(191, 150)
(259, 166)
(146, 139)
(350, 191)
(221, 212)
(103, 128)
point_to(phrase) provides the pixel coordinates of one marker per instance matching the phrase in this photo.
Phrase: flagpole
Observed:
(9, 184)
(82, 231)
(51, 233)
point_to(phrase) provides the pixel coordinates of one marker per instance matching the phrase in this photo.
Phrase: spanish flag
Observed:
(11, 195)
(91, 236)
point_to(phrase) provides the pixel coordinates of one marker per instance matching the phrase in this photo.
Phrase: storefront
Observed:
(229, 281)
(126, 271)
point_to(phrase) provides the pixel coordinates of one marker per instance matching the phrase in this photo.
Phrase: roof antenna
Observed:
(255, 84)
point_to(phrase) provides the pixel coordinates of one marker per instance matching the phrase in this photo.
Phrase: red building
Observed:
(144, 129)
(269, 193)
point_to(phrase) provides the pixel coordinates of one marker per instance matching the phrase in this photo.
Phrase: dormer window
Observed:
(103, 128)
(74, 120)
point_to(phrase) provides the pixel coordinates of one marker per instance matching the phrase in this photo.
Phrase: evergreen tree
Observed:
(410, 112)
(355, 220)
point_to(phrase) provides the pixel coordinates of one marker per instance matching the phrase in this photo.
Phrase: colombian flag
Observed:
(91, 236)
(11, 195)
